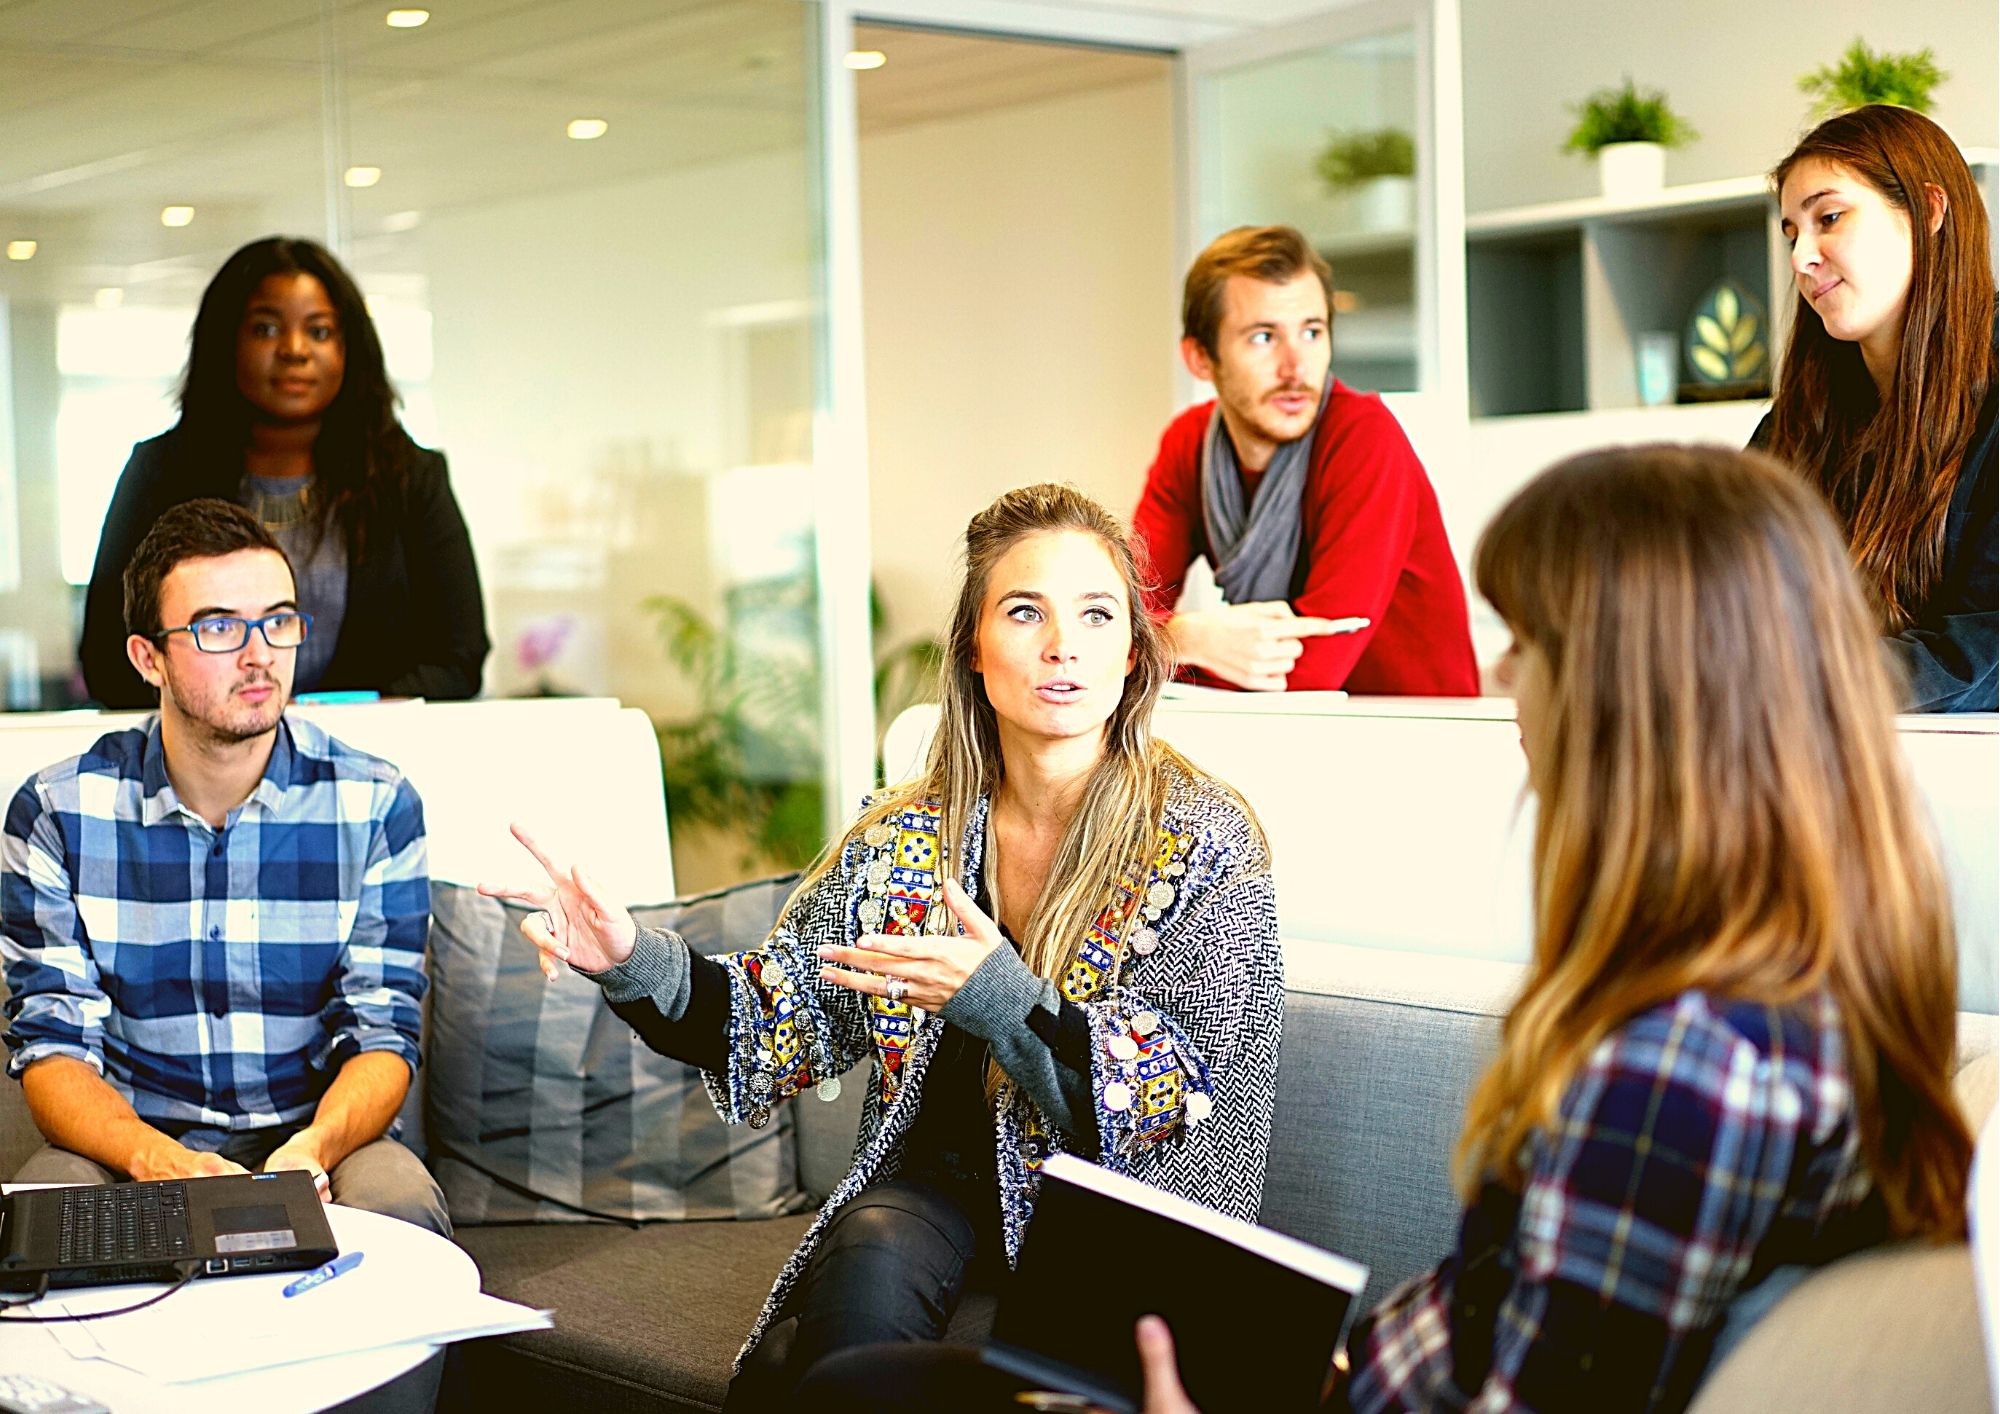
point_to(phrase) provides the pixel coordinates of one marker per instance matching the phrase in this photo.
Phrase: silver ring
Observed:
(896, 990)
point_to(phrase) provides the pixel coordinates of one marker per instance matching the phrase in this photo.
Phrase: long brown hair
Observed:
(1117, 817)
(1723, 801)
(1889, 466)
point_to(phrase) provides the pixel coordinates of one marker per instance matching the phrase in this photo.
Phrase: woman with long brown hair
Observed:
(1061, 936)
(1733, 1048)
(1887, 397)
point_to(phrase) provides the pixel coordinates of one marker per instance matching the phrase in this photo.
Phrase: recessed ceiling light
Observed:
(584, 129)
(176, 215)
(866, 59)
(363, 176)
(402, 220)
(21, 250)
(407, 19)
(110, 297)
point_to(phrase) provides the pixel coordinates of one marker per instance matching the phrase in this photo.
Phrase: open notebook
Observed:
(1255, 1314)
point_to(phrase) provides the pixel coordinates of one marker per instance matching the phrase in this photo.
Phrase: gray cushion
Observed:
(546, 1107)
(646, 1320)
(1370, 1097)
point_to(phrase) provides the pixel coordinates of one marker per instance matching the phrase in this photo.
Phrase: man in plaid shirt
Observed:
(213, 925)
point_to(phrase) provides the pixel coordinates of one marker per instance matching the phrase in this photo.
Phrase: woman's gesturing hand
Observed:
(931, 966)
(576, 923)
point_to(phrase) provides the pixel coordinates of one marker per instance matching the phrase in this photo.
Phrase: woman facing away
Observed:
(1061, 936)
(1733, 1049)
(1887, 397)
(287, 408)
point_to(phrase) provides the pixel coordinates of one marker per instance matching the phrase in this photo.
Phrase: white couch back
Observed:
(1403, 823)
(583, 774)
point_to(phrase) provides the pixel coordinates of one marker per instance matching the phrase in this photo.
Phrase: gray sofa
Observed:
(1379, 1052)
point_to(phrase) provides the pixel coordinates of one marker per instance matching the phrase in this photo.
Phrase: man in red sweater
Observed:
(1304, 494)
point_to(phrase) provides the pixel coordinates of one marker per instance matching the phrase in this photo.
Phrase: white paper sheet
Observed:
(225, 1326)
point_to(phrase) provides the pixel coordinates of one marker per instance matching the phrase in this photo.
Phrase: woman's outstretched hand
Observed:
(933, 966)
(576, 923)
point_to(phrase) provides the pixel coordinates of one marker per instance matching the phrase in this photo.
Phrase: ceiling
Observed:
(933, 74)
(113, 109)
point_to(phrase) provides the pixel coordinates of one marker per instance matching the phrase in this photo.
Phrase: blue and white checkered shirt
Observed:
(216, 978)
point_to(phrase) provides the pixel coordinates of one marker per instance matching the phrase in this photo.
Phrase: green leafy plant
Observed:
(1627, 114)
(1349, 159)
(747, 758)
(1862, 77)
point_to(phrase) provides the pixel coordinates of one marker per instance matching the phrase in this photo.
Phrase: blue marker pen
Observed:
(319, 1276)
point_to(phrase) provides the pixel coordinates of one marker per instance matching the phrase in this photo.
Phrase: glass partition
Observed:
(586, 236)
(1324, 137)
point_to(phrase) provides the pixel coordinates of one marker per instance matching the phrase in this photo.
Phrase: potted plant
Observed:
(1375, 169)
(1862, 77)
(1630, 130)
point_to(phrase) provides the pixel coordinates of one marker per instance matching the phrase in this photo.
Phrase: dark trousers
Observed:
(889, 1269)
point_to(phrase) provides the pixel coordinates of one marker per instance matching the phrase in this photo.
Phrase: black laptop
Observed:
(119, 1232)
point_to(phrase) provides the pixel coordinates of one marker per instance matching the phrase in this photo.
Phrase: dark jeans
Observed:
(890, 1269)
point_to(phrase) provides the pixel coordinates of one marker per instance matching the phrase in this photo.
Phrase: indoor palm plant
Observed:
(1629, 130)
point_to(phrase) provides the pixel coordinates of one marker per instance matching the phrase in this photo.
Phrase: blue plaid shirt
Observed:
(1703, 1144)
(216, 978)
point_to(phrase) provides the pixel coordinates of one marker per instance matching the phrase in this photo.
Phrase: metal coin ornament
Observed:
(1727, 343)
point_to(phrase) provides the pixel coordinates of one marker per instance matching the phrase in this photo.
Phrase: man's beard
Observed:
(249, 723)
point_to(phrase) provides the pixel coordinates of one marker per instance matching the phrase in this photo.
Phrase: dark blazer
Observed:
(1951, 651)
(415, 625)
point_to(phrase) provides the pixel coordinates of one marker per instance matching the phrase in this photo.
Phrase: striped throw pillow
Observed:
(543, 1106)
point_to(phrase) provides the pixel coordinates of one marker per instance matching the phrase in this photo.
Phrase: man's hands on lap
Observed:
(1251, 645)
(166, 1159)
(302, 1151)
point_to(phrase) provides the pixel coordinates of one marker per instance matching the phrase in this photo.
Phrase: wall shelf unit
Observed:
(1557, 295)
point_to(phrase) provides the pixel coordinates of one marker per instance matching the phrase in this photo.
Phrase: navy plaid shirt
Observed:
(216, 978)
(1703, 1144)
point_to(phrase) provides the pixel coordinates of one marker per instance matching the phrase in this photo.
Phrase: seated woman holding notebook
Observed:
(1733, 1050)
(1062, 936)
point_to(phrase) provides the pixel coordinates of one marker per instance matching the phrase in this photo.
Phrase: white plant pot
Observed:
(1631, 169)
(1386, 204)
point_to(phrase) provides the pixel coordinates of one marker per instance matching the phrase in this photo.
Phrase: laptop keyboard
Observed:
(126, 1222)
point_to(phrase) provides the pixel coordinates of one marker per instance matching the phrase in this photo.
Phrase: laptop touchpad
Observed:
(253, 1227)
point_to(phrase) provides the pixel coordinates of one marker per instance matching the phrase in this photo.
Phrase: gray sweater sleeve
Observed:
(658, 968)
(994, 1004)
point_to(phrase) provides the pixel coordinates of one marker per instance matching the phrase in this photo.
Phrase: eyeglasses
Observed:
(227, 634)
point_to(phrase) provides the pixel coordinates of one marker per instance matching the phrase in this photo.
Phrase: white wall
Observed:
(1730, 68)
(1020, 297)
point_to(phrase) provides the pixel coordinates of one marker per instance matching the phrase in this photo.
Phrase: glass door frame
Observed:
(1440, 253)
(840, 431)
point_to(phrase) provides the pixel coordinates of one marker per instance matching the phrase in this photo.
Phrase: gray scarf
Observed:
(1254, 552)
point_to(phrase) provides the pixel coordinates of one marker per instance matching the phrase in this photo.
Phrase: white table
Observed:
(397, 1252)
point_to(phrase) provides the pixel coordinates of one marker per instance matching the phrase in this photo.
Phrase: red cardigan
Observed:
(1374, 540)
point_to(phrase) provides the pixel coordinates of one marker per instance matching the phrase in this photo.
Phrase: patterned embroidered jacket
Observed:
(1181, 977)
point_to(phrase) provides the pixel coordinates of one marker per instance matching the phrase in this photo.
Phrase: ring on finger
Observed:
(896, 990)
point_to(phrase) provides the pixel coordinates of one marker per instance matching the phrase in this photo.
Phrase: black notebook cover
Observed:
(1255, 1314)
